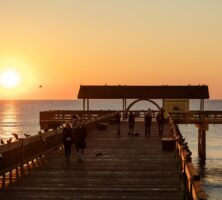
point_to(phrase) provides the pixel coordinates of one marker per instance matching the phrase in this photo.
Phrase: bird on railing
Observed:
(189, 154)
(2, 141)
(16, 136)
(188, 151)
(188, 159)
(9, 141)
(42, 137)
(185, 144)
(26, 135)
(181, 140)
(185, 147)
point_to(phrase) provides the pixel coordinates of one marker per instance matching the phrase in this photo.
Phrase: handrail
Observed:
(17, 153)
(210, 117)
(187, 170)
(54, 118)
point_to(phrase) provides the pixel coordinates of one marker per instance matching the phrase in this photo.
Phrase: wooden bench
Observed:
(102, 126)
(168, 143)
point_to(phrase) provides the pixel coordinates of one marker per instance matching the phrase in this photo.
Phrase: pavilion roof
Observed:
(140, 92)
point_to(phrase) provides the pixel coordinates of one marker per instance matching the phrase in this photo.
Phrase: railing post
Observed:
(202, 128)
(203, 144)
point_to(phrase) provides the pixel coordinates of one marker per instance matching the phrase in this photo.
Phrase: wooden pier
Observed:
(124, 167)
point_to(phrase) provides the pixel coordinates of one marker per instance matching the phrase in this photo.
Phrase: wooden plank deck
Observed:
(129, 168)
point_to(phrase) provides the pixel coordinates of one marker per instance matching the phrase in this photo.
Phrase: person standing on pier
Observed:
(67, 139)
(75, 121)
(118, 117)
(160, 121)
(131, 121)
(80, 136)
(147, 122)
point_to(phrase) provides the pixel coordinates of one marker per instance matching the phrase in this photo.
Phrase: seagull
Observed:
(26, 135)
(9, 141)
(42, 137)
(15, 135)
(2, 142)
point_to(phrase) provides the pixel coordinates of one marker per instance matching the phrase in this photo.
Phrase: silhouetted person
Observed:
(75, 121)
(67, 139)
(147, 122)
(80, 135)
(160, 122)
(118, 117)
(131, 121)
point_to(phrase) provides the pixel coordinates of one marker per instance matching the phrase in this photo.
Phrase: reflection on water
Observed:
(201, 167)
(8, 119)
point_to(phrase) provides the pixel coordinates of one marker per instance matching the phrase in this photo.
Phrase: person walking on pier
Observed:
(147, 122)
(80, 135)
(75, 123)
(160, 121)
(131, 121)
(117, 117)
(67, 139)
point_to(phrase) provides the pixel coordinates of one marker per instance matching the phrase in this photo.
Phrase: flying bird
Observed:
(40, 86)
(16, 136)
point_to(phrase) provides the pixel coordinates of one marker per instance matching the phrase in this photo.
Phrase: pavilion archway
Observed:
(138, 100)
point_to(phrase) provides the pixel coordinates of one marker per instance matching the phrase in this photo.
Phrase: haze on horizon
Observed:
(61, 44)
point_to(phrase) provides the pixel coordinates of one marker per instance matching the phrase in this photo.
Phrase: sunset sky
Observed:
(61, 44)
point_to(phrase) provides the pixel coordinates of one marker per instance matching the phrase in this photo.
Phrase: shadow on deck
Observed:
(127, 167)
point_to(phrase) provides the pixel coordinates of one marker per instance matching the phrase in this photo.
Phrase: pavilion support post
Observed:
(202, 104)
(84, 104)
(84, 108)
(124, 108)
(202, 128)
(87, 107)
(87, 104)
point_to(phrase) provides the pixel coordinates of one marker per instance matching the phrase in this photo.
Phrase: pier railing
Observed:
(195, 117)
(54, 118)
(188, 173)
(20, 152)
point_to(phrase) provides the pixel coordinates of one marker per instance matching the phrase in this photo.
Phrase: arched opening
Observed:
(138, 100)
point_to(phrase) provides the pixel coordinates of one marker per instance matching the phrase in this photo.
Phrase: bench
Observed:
(168, 143)
(102, 126)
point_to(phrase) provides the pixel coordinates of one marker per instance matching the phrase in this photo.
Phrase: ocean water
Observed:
(22, 117)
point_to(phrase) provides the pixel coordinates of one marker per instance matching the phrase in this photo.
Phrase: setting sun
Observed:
(10, 78)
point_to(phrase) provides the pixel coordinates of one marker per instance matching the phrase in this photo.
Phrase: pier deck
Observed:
(127, 167)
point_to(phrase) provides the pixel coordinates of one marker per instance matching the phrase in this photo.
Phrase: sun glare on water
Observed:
(10, 78)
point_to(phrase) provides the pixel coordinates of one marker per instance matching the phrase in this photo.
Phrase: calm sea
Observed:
(22, 117)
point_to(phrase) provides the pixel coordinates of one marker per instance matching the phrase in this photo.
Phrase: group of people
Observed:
(74, 132)
(147, 122)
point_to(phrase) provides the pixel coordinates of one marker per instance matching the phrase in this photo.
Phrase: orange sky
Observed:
(62, 44)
